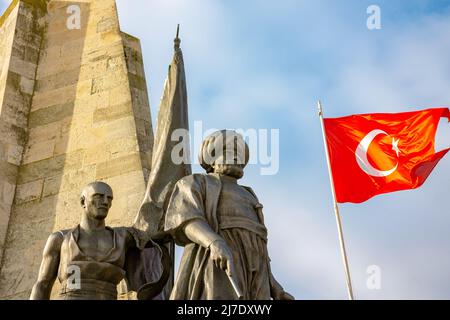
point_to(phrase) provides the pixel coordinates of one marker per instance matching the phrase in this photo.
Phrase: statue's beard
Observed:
(234, 170)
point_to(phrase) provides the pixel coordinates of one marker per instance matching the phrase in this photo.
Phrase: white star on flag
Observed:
(395, 146)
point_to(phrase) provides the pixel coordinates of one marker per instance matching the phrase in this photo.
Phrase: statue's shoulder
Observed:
(196, 179)
(123, 231)
(193, 177)
(249, 189)
(126, 233)
(56, 239)
(252, 192)
(60, 234)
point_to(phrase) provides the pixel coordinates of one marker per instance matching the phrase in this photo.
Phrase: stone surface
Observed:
(73, 108)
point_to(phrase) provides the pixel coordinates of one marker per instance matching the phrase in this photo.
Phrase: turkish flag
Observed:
(371, 154)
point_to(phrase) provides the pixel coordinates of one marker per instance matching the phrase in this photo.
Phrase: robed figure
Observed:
(221, 226)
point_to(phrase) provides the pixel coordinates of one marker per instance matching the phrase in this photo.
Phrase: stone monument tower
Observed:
(73, 109)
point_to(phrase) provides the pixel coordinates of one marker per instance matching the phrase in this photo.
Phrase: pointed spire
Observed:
(177, 40)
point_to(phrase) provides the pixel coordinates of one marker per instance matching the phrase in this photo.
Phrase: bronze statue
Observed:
(91, 259)
(221, 225)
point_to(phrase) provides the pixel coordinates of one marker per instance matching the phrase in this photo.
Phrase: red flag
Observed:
(371, 154)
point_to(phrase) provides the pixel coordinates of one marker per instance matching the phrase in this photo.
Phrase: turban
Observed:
(225, 146)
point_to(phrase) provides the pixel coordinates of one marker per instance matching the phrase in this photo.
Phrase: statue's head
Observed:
(224, 152)
(96, 199)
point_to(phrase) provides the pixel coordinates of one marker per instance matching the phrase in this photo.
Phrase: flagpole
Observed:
(336, 209)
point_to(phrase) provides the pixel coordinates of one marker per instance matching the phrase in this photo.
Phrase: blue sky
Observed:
(263, 65)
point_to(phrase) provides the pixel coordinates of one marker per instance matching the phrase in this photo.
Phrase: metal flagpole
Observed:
(336, 209)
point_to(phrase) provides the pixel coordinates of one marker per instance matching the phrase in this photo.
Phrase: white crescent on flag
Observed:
(361, 155)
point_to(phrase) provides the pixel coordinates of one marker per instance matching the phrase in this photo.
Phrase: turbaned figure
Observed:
(221, 226)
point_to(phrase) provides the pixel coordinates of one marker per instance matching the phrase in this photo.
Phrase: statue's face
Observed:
(224, 152)
(232, 161)
(97, 200)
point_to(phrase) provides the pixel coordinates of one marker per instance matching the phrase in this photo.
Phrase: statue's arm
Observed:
(200, 232)
(49, 268)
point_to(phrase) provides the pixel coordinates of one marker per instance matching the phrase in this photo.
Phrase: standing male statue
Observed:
(220, 224)
(91, 259)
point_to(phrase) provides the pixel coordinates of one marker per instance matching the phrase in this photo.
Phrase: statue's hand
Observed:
(221, 255)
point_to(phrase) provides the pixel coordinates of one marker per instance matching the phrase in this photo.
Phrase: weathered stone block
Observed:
(94, 53)
(49, 98)
(140, 99)
(146, 159)
(73, 48)
(26, 85)
(24, 68)
(13, 115)
(61, 143)
(84, 88)
(119, 95)
(118, 166)
(137, 82)
(28, 213)
(143, 127)
(16, 280)
(88, 104)
(8, 172)
(108, 82)
(29, 191)
(114, 63)
(18, 50)
(50, 114)
(4, 219)
(93, 156)
(74, 160)
(62, 79)
(26, 234)
(135, 184)
(39, 151)
(41, 169)
(113, 112)
(8, 192)
(14, 154)
(130, 41)
(11, 133)
(51, 186)
(31, 54)
(106, 24)
(45, 132)
(75, 180)
(122, 147)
